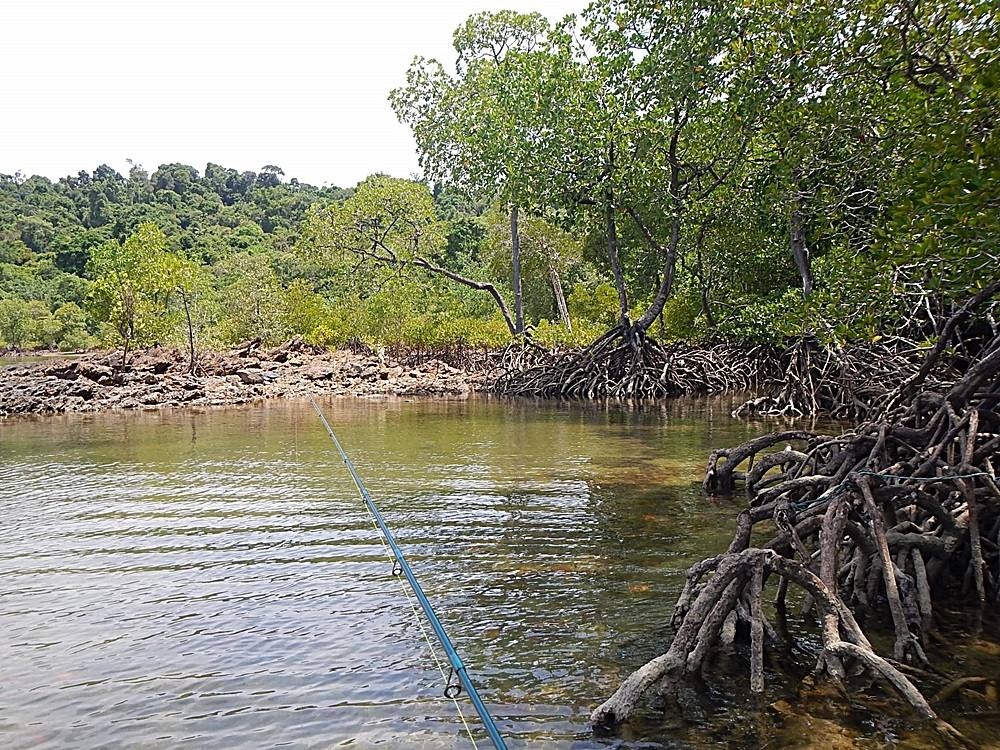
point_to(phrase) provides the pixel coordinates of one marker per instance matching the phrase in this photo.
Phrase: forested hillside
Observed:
(662, 171)
(230, 247)
(50, 233)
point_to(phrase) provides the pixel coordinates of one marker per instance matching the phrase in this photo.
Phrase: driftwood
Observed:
(890, 517)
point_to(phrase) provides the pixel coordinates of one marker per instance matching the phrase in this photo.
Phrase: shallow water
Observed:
(212, 579)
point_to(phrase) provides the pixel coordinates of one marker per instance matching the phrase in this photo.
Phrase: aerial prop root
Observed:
(811, 377)
(736, 577)
(885, 518)
(626, 363)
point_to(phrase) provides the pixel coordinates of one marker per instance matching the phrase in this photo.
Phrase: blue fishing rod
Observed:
(401, 566)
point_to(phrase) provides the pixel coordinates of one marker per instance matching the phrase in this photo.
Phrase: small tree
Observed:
(131, 285)
(389, 223)
(472, 128)
(188, 284)
(252, 299)
(15, 323)
(72, 323)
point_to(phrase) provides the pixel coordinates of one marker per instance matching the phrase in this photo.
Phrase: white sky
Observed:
(243, 83)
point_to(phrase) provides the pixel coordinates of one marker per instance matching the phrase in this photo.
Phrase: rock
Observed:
(244, 349)
(83, 392)
(160, 377)
(63, 371)
(157, 360)
(318, 372)
(282, 353)
(224, 366)
(96, 372)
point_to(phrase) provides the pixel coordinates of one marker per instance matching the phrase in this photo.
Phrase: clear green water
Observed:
(211, 579)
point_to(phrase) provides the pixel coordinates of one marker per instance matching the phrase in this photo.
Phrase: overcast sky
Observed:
(297, 83)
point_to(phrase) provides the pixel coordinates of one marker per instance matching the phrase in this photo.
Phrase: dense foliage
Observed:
(691, 169)
(752, 170)
(103, 258)
(189, 259)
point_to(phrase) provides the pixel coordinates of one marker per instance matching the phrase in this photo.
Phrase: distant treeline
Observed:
(225, 256)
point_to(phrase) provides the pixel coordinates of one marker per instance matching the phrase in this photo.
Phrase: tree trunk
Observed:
(800, 251)
(190, 333)
(515, 258)
(669, 255)
(557, 291)
(706, 304)
(616, 267)
(660, 318)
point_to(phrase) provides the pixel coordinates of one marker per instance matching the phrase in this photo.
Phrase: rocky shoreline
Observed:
(159, 378)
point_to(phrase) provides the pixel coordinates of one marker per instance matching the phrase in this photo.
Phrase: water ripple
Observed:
(213, 580)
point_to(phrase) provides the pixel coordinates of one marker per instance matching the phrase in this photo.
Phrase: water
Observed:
(211, 579)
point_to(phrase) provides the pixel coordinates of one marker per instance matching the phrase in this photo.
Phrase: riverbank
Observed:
(159, 378)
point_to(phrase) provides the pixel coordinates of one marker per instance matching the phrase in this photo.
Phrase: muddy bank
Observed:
(160, 378)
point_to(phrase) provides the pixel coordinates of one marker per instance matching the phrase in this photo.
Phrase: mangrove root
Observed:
(890, 517)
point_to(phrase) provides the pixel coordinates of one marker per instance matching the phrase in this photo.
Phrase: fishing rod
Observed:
(401, 566)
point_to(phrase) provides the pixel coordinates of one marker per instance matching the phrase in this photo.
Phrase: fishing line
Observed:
(415, 595)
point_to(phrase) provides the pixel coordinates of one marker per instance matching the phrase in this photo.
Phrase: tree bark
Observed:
(616, 266)
(557, 291)
(669, 255)
(660, 318)
(515, 257)
(190, 332)
(703, 285)
(799, 249)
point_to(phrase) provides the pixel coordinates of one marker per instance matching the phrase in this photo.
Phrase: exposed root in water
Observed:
(843, 383)
(627, 364)
(891, 517)
(854, 383)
